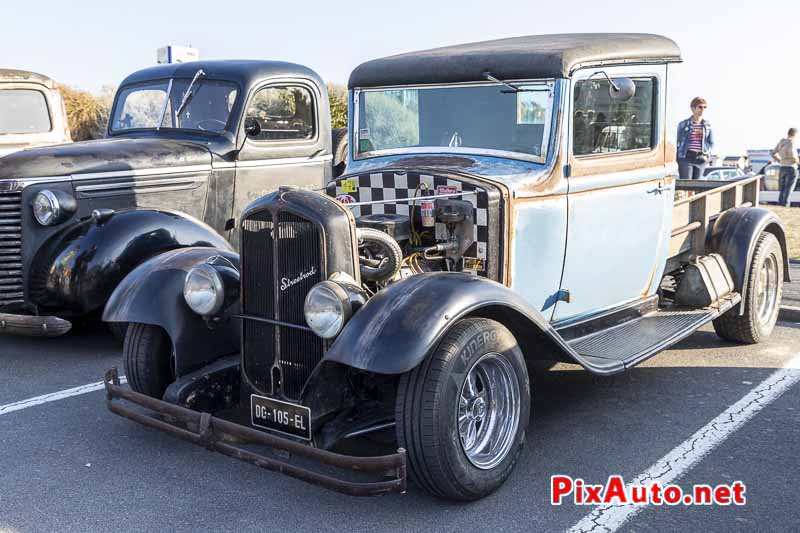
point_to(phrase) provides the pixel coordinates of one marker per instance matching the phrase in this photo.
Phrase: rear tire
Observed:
(462, 413)
(763, 296)
(147, 353)
(339, 143)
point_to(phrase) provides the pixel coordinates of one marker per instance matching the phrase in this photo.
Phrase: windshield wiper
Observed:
(188, 94)
(513, 88)
(164, 107)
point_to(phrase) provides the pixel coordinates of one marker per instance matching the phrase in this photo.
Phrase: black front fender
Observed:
(396, 329)
(153, 294)
(79, 267)
(734, 236)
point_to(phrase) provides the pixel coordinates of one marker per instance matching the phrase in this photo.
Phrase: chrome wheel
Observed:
(767, 289)
(488, 411)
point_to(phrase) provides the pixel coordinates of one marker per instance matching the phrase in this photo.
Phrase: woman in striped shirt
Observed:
(695, 141)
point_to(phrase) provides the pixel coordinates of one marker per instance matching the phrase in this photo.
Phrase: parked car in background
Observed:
(32, 111)
(770, 186)
(187, 147)
(723, 173)
(407, 301)
(771, 180)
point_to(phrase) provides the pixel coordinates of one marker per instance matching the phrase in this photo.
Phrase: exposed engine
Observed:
(432, 238)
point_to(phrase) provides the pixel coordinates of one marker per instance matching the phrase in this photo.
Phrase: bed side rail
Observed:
(697, 202)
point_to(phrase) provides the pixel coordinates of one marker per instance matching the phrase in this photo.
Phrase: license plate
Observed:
(284, 417)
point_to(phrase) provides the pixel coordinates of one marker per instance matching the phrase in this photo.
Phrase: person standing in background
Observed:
(695, 141)
(785, 153)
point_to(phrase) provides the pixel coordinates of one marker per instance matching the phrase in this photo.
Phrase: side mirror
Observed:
(252, 128)
(621, 89)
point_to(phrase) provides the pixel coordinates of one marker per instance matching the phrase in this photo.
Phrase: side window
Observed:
(282, 113)
(602, 124)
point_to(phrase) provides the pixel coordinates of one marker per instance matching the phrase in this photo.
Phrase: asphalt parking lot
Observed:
(70, 465)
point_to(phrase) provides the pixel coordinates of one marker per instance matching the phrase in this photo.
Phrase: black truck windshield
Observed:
(23, 111)
(155, 105)
(485, 118)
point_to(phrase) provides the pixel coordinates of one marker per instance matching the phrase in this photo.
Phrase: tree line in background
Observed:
(87, 113)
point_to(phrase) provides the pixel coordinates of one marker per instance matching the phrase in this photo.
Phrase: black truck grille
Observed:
(11, 291)
(280, 263)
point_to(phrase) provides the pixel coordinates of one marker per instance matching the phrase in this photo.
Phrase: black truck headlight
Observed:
(203, 290)
(327, 309)
(52, 207)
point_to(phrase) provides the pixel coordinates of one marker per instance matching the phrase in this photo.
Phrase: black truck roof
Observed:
(530, 57)
(244, 71)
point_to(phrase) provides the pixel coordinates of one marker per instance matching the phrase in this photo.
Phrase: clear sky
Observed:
(741, 56)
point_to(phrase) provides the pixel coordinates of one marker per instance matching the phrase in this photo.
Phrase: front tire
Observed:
(147, 353)
(462, 414)
(763, 296)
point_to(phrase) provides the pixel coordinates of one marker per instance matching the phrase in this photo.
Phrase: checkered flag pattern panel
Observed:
(379, 186)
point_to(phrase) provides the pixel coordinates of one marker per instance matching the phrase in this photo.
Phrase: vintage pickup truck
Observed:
(510, 204)
(188, 146)
(32, 111)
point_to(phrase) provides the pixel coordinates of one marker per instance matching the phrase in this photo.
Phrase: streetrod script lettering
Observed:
(288, 282)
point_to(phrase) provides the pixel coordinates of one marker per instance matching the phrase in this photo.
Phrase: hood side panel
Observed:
(105, 155)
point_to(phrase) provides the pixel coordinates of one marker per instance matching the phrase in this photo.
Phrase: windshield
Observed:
(23, 111)
(146, 106)
(492, 119)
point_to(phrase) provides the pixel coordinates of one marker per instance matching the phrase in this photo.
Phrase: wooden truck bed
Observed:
(698, 203)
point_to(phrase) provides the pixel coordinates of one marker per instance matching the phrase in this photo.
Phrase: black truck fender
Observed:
(79, 267)
(396, 329)
(734, 236)
(153, 294)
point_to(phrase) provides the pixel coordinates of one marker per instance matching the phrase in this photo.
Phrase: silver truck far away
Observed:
(32, 111)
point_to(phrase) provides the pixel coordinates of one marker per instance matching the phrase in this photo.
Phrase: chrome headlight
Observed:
(203, 290)
(52, 207)
(327, 309)
(46, 208)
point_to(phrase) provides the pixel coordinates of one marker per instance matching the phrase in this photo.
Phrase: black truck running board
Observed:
(625, 345)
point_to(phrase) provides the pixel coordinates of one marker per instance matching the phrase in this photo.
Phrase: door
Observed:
(286, 143)
(620, 198)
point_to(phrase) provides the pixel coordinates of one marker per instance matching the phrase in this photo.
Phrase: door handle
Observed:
(661, 188)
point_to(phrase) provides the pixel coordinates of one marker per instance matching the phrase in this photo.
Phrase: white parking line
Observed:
(608, 518)
(53, 396)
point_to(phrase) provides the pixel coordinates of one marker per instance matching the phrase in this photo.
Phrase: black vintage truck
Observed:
(187, 147)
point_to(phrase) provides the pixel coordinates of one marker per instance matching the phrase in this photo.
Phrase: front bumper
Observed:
(226, 437)
(33, 326)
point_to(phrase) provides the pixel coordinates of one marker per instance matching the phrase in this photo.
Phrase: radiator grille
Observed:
(11, 291)
(258, 298)
(281, 261)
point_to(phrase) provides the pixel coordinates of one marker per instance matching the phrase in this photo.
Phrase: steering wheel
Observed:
(210, 121)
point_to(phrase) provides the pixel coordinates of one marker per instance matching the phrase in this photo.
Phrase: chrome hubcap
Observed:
(767, 289)
(488, 411)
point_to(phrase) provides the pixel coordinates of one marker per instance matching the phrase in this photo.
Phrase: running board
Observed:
(620, 347)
